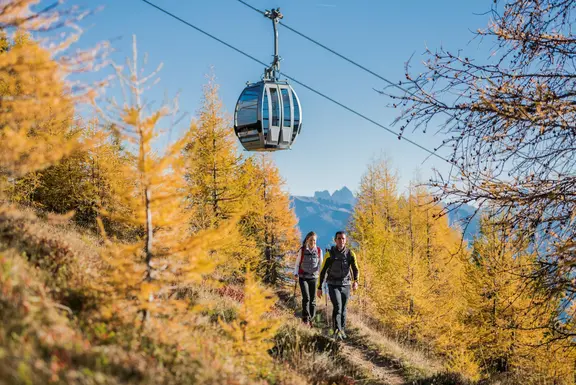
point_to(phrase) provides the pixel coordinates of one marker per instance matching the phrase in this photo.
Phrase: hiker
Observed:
(336, 269)
(306, 271)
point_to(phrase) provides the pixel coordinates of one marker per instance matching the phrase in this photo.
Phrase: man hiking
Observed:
(340, 270)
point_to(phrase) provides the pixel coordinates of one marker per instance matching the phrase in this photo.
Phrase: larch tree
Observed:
(37, 126)
(36, 111)
(144, 275)
(413, 260)
(434, 261)
(81, 182)
(373, 229)
(502, 320)
(510, 126)
(215, 164)
(415, 295)
(269, 221)
(217, 184)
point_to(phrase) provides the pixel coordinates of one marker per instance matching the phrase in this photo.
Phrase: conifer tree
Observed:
(37, 124)
(217, 184)
(508, 123)
(434, 259)
(410, 298)
(373, 228)
(253, 330)
(269, 221)
(503, 315)
(36, 111)
(413, 260)
(214, 189)
(143, 274)
(81, 182)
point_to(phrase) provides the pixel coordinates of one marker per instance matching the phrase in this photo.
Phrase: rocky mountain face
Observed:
(326, 213)
(342, 196)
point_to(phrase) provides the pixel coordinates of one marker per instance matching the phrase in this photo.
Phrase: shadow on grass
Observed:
(445, 378)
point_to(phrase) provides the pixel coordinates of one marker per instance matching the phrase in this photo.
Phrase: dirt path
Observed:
(366, 356)
(377, 368)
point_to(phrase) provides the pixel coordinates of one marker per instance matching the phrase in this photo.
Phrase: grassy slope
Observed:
(51, 331)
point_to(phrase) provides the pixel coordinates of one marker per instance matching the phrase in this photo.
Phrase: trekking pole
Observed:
(326, 310)
(293, 301)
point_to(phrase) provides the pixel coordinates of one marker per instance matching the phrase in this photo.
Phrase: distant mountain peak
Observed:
(322, 214)
(327, 213)
(344, 195)
(322, 195)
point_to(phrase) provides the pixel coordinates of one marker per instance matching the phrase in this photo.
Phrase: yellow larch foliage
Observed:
(503, 312)
(36, 110)
(213, 171)
(408, 256)
(216, 184)
(439, 255)
(269, 220)
(253, 329)
(144, 275)
(413, 263)
(82, 182)
(373, 229)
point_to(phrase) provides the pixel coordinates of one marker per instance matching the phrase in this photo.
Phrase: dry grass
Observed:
(368, 356)
(61, 263)
(46, 337)
(414, 362)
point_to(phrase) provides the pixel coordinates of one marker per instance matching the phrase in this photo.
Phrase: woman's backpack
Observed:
(309, 263)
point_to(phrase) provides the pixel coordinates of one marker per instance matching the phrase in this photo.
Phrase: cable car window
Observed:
(265, 113)
(296, 113)
(286, 105)
(275, 107)
(248, 107)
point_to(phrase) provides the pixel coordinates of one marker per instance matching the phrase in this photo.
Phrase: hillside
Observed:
(54, 328)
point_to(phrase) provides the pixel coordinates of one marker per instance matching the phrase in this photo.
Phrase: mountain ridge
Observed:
(326, 213)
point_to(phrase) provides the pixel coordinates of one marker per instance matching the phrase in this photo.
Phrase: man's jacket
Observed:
(339, 267)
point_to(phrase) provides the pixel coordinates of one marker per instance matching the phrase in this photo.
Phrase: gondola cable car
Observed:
(268, 115)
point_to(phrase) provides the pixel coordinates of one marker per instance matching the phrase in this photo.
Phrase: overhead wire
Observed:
(364, 68)
(296, 81)
(332, 51)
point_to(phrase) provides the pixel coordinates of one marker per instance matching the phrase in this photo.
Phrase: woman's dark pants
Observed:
(339, 295)
(308, 288)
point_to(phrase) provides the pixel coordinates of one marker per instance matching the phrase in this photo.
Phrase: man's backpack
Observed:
(340, 267)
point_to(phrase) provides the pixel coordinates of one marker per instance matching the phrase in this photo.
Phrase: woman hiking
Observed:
(306, 270)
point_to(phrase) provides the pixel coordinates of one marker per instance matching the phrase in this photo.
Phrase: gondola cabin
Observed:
(268, 116)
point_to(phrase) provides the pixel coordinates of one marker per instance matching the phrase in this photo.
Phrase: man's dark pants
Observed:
(308, 288)
(339, 295)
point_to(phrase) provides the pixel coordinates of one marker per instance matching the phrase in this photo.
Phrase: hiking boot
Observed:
(338, 335)
(343, 335)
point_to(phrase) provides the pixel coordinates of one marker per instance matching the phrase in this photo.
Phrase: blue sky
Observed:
(335, 146)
